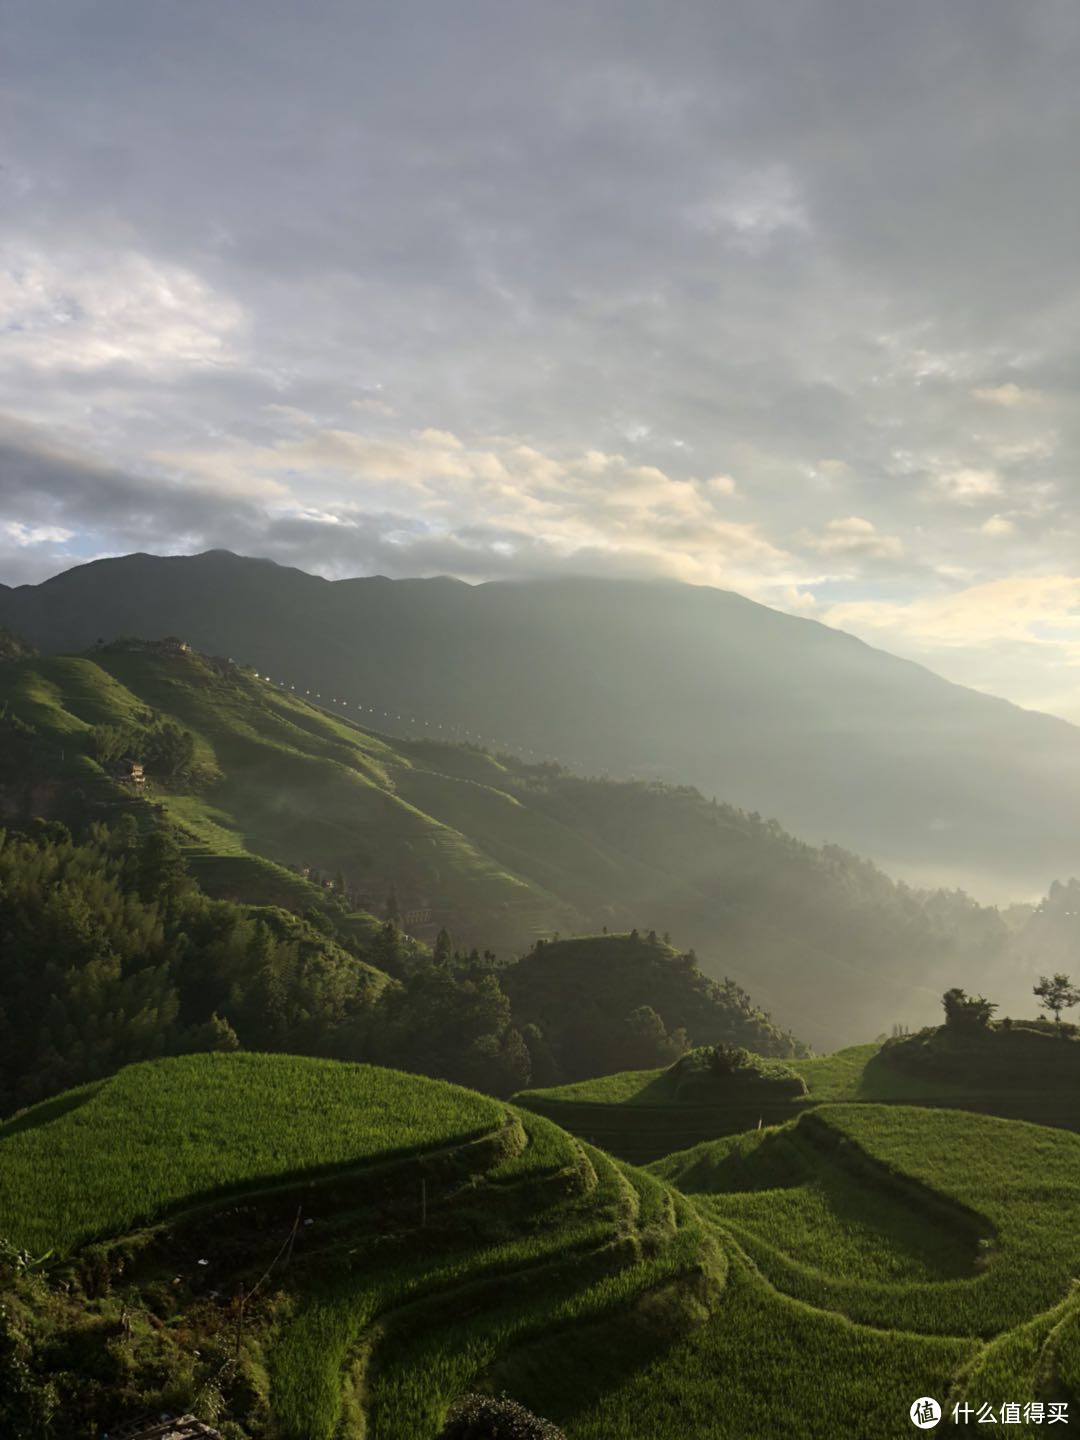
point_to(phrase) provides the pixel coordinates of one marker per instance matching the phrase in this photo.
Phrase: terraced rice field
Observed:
(107, 1157)
(808, 1280)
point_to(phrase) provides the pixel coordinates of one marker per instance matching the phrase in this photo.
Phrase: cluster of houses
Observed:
(170, 645)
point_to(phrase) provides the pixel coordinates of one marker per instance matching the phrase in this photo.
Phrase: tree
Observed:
(393, 909)
(543, 1067)
(163, 871)
(444, 947)
(642, 1041)
(1057, 993)
(967, 1012)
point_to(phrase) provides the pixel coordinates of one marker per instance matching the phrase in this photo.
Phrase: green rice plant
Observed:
(1000, 1191)
(162, 1135)
(310, 1357)
(766, 1366)
(429, 1354)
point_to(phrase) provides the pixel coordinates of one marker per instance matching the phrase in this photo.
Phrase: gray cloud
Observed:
(802, 246)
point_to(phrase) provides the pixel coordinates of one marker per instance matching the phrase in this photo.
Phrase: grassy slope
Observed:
(638, 1115)
(300, 786)
(127, 1150)
(805, 1280)
(537, 1234)
(512, 851)
(852, 1229)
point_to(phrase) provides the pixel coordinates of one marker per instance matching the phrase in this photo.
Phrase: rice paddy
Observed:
(806, 1280)
(169, 1133)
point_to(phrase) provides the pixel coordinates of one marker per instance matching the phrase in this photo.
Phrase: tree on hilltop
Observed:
(1057, 993)
(967, 1012)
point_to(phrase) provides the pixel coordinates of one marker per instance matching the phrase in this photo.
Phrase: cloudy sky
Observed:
(779, 297)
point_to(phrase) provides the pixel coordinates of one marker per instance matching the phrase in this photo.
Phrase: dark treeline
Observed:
(112, 954)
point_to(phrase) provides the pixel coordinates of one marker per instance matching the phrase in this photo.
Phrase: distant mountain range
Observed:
(775, 714)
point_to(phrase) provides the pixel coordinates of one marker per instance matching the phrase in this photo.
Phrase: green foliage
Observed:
(120, 958)
(1022, 1072)
(814, 1276)
(967, 1012)
(27, 1405)
(766, 1366)
(705, 1075)
(453, 1026)
(610, 1002)
(998, 1192)
(169, 752)
(1030, 1060)
(1057, 993)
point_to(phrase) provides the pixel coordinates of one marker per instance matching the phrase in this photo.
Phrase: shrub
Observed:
(729, 1059)
(487, 1417)
(967, 1012)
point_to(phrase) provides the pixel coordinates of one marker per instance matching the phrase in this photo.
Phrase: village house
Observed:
(131, 772)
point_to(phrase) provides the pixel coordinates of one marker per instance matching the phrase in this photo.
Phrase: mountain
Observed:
(774, 714)
(277, 802)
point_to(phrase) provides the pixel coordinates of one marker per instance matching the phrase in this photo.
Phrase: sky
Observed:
(781, 298)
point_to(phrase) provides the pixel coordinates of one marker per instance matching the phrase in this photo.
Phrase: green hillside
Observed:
(1023, 1072)
(113, 948)
(305, 1250)
(273, 779)
(353, 1208)
(276, 800)
(682, 683)
(104, 1158)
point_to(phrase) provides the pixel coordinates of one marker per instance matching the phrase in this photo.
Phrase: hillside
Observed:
(307, 1228)
(288, 1280)
(276, 800)
(605, 1001)
(119, 956)
(1023, 1071)
(681, 683)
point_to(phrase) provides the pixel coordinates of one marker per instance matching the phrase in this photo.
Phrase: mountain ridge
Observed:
(778, 714)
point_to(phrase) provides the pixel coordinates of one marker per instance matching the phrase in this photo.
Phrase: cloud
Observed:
(754, 208)
(1020, 617)
(1009, 396)
(508, 289)
(73, 312)
(35, 534)
(402, 504)
(997, 526)
(857, 538)
(967, 486)
(721, 485)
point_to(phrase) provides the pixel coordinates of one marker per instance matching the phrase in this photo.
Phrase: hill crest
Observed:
(776, 713)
